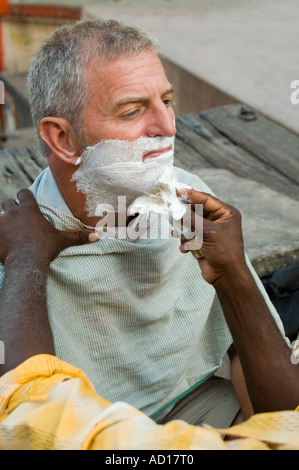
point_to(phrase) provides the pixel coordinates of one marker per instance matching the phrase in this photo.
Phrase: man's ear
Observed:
(60, 136)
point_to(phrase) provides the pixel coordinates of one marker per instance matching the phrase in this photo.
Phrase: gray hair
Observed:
(56, 74)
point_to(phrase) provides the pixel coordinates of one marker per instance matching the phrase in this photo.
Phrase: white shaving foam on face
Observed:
(109, 152)
(162, 198)
(114, 168)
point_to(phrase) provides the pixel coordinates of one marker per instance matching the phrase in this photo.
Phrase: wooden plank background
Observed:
(259, 150)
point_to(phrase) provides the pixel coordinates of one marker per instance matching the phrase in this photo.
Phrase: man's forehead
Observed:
(128, 70)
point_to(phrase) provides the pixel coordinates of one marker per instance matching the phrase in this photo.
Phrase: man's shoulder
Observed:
(46, 192)
(193, 180)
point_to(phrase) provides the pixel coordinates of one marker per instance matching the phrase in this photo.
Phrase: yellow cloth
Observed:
(47, 404)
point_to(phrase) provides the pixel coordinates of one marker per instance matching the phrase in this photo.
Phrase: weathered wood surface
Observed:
(258, 150)
(18, 169)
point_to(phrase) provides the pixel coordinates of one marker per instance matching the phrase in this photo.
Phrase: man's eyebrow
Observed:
(140, 99)
(169, 91)
(129, 100)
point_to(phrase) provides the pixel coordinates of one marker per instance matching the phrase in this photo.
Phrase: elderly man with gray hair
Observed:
(134, 313)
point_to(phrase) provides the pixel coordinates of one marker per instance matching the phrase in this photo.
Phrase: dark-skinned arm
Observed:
(28, 244)
(272, 379)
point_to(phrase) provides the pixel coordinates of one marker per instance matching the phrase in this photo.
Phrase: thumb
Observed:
(213, 208)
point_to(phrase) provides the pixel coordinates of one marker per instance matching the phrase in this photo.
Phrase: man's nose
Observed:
(161, 123)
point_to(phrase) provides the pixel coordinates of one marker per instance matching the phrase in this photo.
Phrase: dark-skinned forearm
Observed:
(272, 379)
(24, 325)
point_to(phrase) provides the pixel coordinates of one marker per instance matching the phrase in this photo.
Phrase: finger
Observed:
(210, 202)
(183, 249)
(212, 207)
(175, 234)
(25, 196)
(79, 237)
(8, 204)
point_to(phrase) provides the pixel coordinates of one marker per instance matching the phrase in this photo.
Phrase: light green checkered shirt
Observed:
(136, 317)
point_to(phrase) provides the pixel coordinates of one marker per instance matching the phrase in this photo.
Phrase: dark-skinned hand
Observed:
(222, 250)
(25, 231)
